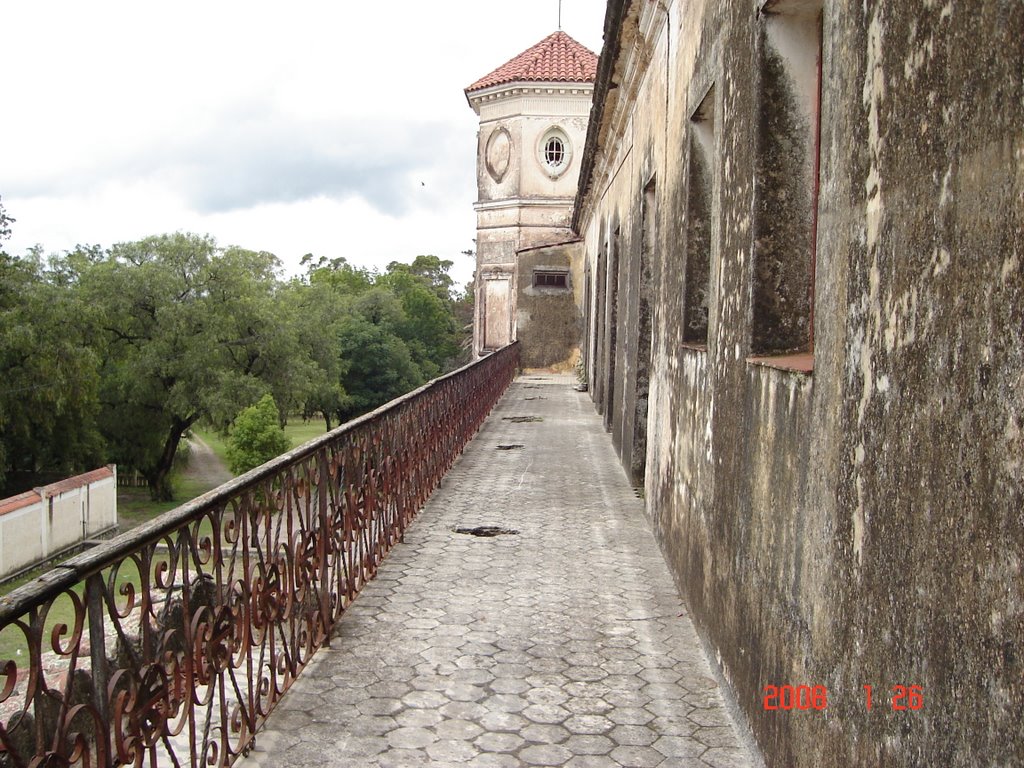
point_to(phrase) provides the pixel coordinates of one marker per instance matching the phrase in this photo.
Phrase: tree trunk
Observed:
(159, 477)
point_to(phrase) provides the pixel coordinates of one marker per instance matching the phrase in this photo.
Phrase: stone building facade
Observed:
(803, 311)
(533, 122)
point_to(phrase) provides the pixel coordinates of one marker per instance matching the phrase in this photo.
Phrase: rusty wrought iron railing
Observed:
(170, 645)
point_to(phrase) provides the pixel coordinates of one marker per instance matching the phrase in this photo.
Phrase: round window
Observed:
(554, 152)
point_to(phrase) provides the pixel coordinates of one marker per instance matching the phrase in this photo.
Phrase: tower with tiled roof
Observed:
(533, 123)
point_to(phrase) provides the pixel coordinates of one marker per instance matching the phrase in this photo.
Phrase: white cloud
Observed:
(334, 128)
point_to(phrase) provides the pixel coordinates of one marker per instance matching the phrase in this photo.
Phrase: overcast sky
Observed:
(336, 128)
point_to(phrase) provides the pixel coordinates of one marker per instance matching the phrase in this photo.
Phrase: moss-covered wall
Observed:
(548, 322)
(861, 523)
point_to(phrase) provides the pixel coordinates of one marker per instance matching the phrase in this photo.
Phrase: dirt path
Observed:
(204, 466)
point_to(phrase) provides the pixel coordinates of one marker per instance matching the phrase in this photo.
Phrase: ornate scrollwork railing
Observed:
(170, 645)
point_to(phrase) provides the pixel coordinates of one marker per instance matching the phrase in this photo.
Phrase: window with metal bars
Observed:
(550, 279)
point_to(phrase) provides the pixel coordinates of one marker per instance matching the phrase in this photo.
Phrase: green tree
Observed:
(48, 373)
(269, 345)
(5, 222)
(344, 278)
(429, 326)
(189, 332)
(378, 365)
(256, 436)
(318, 311)
(432, 271)
(115, 355)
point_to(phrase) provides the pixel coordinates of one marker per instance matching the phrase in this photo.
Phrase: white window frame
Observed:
(554, 170)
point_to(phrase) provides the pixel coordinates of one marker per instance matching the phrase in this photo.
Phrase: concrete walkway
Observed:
(563, 643)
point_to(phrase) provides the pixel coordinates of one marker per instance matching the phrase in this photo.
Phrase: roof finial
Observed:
(559, 15)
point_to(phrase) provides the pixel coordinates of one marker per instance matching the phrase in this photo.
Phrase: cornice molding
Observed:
(604, 89)
(522, 202)
(636, 26)
(556, 108)
(537, 90)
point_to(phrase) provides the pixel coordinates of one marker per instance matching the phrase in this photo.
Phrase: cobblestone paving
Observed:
(562, 644)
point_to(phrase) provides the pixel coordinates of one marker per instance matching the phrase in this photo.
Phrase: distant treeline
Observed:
(112, 355)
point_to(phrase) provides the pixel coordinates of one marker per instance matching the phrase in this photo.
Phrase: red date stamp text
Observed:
(803, 697)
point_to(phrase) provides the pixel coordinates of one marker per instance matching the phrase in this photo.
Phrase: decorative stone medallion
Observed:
(498, 153)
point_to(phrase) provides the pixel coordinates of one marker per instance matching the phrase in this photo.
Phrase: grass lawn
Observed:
(134, 507)
(299, 431)
(296, 430)
(13, 644)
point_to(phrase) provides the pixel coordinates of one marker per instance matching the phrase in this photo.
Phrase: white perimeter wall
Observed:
(60, 519)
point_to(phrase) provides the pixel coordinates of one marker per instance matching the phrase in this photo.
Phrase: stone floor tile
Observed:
(630, 716)
(544, 754)
(375, 725)
(463, 710)
(589, 724)
(673, 726)
(592, 761)
(357, 747)
(411, 737)
(586, 704)
(632, 735)
(679, 747)
(718, 736)
(565, 644)
(710, 717)
(509, 685)
(464, 730)
(425, 699)
(722, 757)
(590, 745)
(637, 757)
(494, 761)
(273, 743)
(418, 718)
(493, 741)
(546, 713)
(451, 751)
(545, 734)
(403, 758)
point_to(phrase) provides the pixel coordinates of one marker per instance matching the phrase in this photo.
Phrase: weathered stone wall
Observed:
(521, 203)
(860, 524)
(548, 323)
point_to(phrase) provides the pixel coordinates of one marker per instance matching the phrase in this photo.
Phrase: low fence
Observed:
(171, 644)
(40, 524)
(132, 479)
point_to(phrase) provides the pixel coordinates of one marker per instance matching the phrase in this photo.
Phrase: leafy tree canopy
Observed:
(431, 271)
(113, 355)
(5, 222)
(190, 331)
(49, 374)
(380, 366)
(339, 274)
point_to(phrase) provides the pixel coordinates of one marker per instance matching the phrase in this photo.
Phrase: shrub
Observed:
(256, 436)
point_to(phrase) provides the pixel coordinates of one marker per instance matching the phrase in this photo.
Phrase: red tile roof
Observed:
(555, 59)
(15, 503)
(22, 500)
(77, 481)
